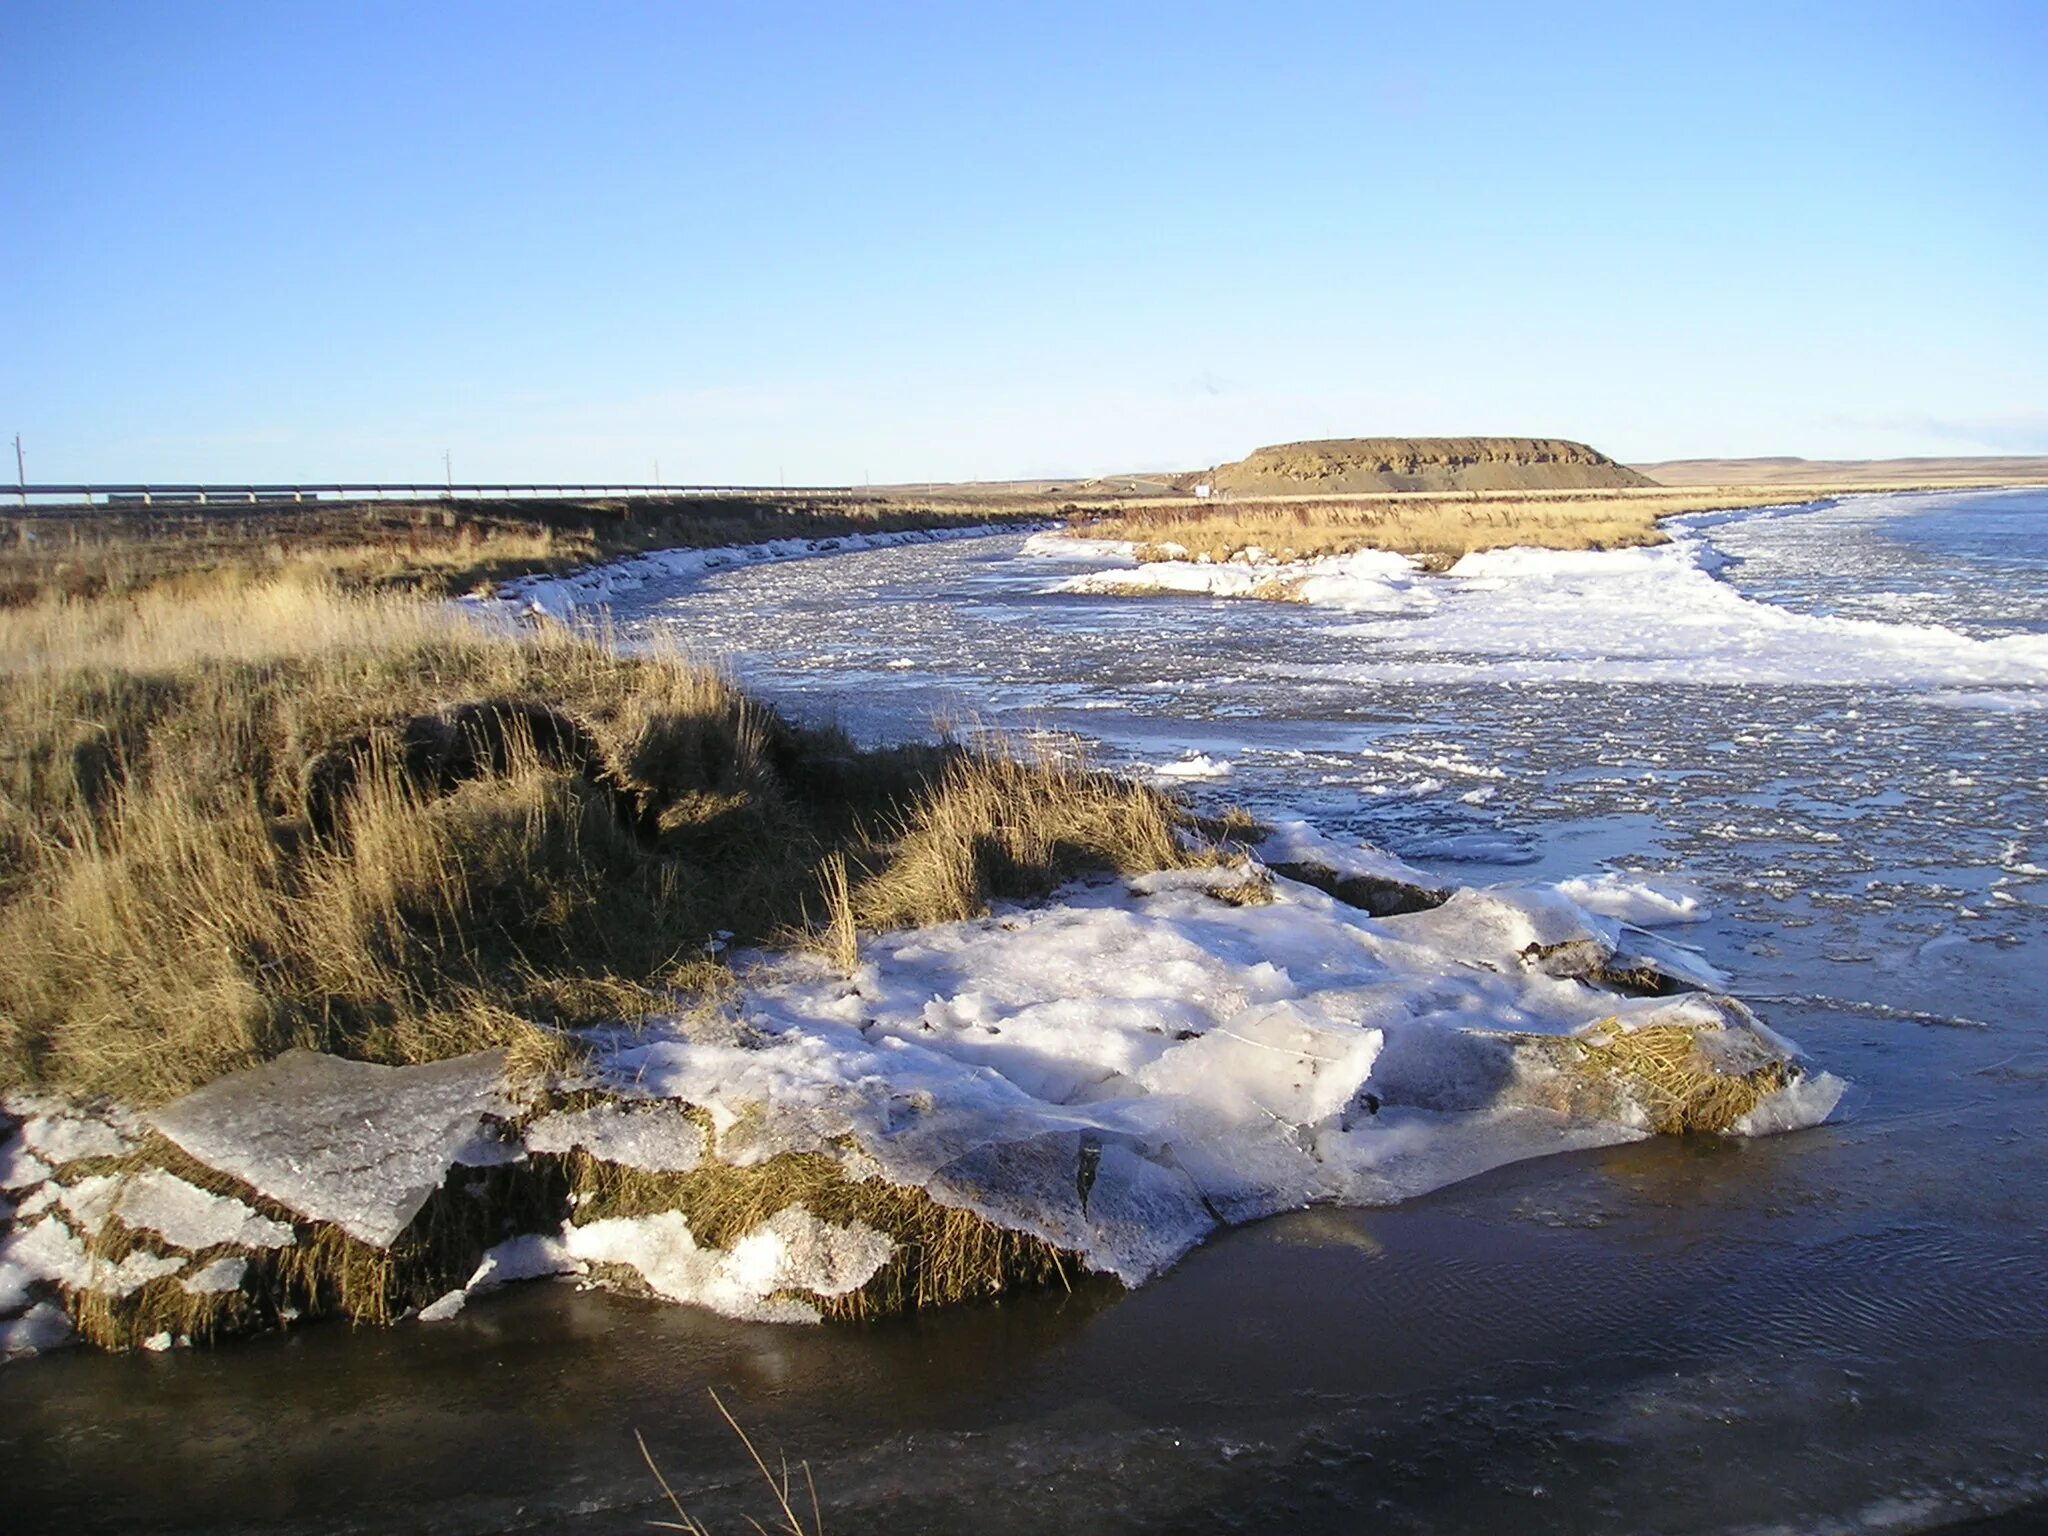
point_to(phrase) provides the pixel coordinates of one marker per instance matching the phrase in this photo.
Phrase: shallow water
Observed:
(1832, 721)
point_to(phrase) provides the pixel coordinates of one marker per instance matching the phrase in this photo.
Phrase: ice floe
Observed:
(1657, 613)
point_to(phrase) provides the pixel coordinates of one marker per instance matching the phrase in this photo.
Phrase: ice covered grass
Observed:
(283, 814)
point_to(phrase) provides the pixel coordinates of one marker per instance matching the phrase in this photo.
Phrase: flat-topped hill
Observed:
(1348, 466)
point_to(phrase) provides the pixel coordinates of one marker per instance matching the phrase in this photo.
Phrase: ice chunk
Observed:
(1275, 1064)
(223, 1274)
(49, 1251)
(659, 1138)
(1297, 842)
(528, 1257)
(1805, 1101)
(1194, 765)
(135, 1269)
(441, 1311)
(43, 1327)
(347, 1142)
(1645, 900)
(1137, 1215)
(791, 1251)
(90, 1201)
(192, 1217)
(19, 1167)
(794, 1250)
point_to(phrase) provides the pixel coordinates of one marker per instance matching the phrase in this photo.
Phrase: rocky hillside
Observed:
(1350, 465)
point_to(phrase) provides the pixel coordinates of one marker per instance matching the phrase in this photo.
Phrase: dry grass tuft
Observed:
(1662, 1069)
(997, 824)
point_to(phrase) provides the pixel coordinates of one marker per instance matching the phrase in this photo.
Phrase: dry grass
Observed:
(432, 547)
(1001, 825)
(1661, 1069)
(1437, 527)
(171, 914)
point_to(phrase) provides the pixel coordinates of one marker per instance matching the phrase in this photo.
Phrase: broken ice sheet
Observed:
(358, 1145)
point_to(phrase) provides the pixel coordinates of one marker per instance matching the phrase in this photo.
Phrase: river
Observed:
(1832, 720)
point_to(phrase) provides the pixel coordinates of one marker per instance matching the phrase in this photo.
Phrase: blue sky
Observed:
(835, 243)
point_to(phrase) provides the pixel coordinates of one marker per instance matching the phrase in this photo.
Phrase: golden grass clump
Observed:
(1663, 1070)
(999, 825)
(943, 1255)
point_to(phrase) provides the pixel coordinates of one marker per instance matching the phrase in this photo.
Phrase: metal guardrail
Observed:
(183, 495)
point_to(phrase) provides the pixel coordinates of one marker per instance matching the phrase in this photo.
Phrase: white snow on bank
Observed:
(560, 597)
(1634, 615)
(1120, 1071)
(1298, 842)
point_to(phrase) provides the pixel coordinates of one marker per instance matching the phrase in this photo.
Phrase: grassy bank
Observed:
(434, 548)
(260, 807)
(1437, 528)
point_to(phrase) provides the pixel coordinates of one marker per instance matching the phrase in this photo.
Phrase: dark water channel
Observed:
(1831, 722)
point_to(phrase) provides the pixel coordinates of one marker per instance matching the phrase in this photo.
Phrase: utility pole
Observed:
(20, 469)
(448, 468)
(657, 474)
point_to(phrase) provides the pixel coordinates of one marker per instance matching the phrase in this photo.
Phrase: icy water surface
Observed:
(1830, 720)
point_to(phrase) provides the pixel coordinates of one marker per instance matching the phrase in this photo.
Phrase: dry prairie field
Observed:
(429, 547)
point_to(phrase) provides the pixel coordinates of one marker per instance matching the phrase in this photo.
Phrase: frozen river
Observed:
(1831, 721)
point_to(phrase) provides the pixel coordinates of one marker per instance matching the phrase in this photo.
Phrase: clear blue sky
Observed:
(833, 243)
